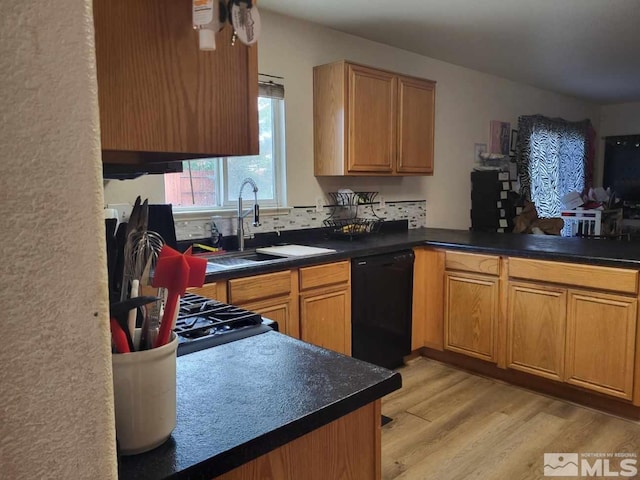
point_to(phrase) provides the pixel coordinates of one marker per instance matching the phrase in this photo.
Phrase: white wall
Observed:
(466, 101)
(56, 413)
(617, 119)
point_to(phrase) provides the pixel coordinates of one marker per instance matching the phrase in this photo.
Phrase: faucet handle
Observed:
(256, 215)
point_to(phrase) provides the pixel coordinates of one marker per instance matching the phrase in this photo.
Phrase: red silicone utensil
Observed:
(119, 337)
(175, 272)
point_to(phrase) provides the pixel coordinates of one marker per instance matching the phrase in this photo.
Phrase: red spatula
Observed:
(175, 272)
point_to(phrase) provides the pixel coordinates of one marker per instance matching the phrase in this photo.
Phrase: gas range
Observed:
(204, 323)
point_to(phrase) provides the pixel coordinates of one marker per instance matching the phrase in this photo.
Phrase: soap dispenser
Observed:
(216, 236)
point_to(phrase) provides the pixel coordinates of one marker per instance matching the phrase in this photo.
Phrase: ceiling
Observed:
(584, 48)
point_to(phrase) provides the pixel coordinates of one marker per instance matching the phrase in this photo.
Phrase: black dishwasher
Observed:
(381, 297)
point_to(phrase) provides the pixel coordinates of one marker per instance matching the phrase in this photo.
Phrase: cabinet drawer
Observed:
(322, 275)
(588, 276)
(216, 291)
(473, 262)
(242, 290)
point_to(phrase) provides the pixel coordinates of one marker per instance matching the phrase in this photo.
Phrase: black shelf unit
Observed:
(493, 203)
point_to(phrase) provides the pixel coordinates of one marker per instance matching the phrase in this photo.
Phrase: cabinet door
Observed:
(158, 92)
(371, 120)
(416, 109)
(471, 307)
(427, 319)
(325, 319)
(537, 317)
(279, 310)
(601, 332)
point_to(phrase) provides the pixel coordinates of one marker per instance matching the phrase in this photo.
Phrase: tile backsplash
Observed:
(299, 218)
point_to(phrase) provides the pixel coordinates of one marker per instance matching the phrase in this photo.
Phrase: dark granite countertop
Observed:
(241, 400)
(581, 250)
(616, 253)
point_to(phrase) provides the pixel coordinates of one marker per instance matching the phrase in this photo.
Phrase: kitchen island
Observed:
(275, 405)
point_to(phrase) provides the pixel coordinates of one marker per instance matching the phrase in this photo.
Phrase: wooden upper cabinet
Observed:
(158, 92)
(372, 117)
(416, 107)
(369, 121)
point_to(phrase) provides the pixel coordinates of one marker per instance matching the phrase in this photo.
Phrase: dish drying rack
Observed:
(345, 220)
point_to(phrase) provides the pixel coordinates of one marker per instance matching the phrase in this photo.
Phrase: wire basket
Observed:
(345, 199)
(353, 227)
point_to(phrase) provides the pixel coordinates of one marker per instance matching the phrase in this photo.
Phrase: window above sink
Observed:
(213, 183)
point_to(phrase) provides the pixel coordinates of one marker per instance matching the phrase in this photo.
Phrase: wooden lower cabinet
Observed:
(312, 303)
(325, 318)
(348, 448)
(273, 295)
(325, 306)
(427, 321)
(536, 324)
(471, 310)
(280, 309)
(601, 337)
(571, 323)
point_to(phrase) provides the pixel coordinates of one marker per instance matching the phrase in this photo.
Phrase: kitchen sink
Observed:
(236, 259)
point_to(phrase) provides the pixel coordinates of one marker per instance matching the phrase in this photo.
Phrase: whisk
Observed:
(141, 248)
(141, 254)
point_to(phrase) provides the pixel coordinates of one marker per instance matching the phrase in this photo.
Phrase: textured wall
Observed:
(56, 407)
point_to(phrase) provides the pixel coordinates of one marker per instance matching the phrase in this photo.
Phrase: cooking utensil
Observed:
(132, 226)
(119, 337)
(144, 245)
(112, 252)
(133, 313)
(151, 314)
(119, 313)
(116, 280)
(176, 272)
(206, 247)
(223, 14)
(245, 19)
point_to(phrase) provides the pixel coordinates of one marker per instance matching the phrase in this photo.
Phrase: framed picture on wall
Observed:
(499, 137)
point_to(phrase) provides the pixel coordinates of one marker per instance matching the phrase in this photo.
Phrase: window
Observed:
(215, 182)
(556, 169)
(552, 156)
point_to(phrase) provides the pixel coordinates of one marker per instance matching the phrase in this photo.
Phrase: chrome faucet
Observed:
(241, 214)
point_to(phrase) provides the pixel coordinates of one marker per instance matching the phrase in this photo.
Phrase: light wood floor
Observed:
(452, 425)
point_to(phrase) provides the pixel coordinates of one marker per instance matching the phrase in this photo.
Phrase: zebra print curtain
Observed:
(552, 158)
